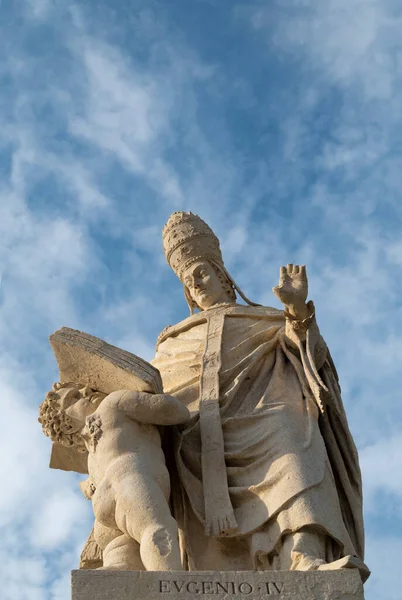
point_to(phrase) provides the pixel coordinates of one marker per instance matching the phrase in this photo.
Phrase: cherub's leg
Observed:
(159, 546)
(143, 513)
(120, 552)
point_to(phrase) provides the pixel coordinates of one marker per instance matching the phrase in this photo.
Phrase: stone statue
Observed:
(128, 481)
(263, 470)
(266, 471)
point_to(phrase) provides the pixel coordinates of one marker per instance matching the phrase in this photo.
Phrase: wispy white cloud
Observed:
(39, 9)
(108, 136)
(127, 113)
(60, 513)
(105, 111)
(42, 514)
(385, 581)
(380, 463)
(355, 42)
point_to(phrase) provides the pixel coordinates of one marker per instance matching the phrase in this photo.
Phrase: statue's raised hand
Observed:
(292, 289)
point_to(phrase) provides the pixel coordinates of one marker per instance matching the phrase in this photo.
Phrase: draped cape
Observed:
(281, 415)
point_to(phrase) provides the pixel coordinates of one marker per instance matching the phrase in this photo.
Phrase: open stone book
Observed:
(88, 360)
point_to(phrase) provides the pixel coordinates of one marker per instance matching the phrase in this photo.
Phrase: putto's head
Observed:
(63, 412)
(205, 285)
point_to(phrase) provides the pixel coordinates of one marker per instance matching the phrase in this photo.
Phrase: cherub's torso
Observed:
(113, 440)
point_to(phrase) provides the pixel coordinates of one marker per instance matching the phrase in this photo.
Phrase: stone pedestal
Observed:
(213, 585)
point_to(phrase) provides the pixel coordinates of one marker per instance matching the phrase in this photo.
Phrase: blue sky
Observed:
(278, 122)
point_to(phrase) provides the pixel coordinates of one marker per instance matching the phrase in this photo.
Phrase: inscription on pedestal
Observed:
(230, 588)
(217, 585)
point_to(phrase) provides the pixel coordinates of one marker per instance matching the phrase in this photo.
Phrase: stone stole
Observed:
(219, 515)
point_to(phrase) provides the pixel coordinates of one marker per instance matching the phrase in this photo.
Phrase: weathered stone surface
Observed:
(268, 473)
(128, 481)
(86, 359)
(264, 471)
(211, 585)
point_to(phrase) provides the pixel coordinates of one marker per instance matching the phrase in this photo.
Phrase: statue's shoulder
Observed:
(164, 334)
(273, 316)
(235, 310)
(172, 330)
(260, 311)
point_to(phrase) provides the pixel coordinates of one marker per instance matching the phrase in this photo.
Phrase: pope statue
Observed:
(265, 475)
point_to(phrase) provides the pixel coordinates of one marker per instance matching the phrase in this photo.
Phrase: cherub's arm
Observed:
(155, 409)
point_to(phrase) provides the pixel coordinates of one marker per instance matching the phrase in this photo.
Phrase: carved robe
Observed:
(272, 407)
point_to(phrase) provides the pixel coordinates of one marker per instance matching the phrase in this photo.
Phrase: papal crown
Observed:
(186, 239)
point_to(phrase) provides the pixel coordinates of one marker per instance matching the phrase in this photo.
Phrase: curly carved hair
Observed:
(56, 423)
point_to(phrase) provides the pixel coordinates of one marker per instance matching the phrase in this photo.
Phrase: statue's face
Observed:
(77, 403)
(204, 285)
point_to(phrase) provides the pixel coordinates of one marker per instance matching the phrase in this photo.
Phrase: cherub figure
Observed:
(128, 481)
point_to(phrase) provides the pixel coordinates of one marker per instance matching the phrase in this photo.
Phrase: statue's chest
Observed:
(198, 363)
